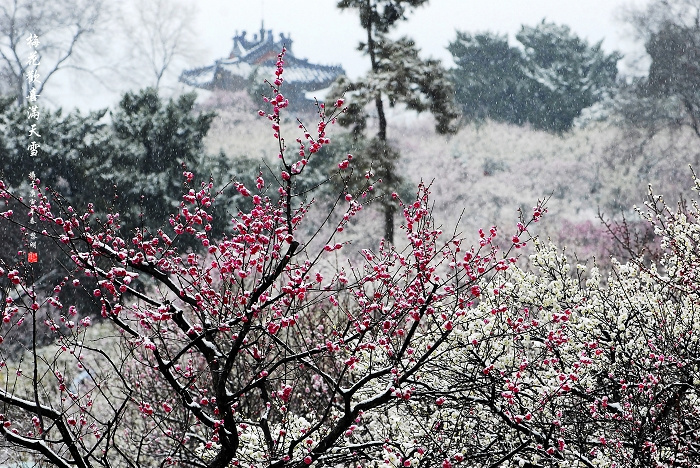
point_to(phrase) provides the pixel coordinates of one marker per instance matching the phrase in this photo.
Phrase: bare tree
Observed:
(159, 37)
(64, 30)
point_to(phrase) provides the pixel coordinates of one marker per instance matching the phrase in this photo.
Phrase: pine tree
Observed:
(154, 139)
(566, 75)
(131, 166)
(397, 76)
(489, 78)
(546, 82)
(139, 154)
(70, 145)
(669, 96)
(675, 71)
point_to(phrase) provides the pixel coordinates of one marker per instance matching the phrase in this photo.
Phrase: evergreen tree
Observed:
(70, 145)
(489, 79)
(546, 82)
(566, 75)
(397, 76)
(154, 140)
(139, 155)
(88, 159)
(668, 96)
(675, 69)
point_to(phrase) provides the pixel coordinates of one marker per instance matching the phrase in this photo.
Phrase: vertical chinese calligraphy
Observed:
(33, 148)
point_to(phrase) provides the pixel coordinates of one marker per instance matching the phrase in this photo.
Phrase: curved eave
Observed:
(199, 77)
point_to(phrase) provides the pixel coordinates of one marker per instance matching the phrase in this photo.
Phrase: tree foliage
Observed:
(488, 78)
(131, 164)
(547, 81)
(669, 95)
(153, 141)
(71, 145)
(138, 151)
(400, 76)
(381, 15)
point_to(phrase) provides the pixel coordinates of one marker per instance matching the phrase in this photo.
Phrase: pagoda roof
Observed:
(260, 56)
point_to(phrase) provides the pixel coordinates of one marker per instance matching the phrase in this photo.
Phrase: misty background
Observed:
(326, 35)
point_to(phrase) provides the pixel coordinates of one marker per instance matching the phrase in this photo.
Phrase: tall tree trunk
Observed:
(389, 208)
(389, 212)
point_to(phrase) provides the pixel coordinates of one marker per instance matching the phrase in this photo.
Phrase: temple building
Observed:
(252, 61)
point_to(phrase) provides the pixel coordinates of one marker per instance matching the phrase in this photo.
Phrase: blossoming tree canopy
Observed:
(249, 350)
(269, 347)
